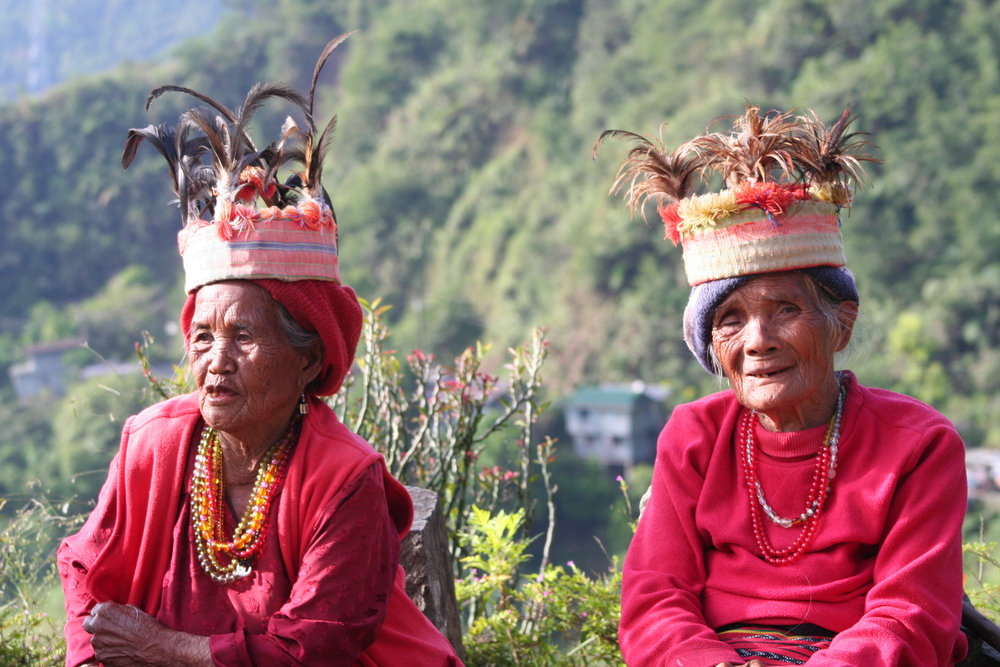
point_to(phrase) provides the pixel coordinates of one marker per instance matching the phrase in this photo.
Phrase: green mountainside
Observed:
(467, 197)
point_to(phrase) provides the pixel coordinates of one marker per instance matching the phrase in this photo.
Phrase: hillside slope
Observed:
(467, 197)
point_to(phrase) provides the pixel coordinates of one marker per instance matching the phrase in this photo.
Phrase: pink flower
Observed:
(489, 474)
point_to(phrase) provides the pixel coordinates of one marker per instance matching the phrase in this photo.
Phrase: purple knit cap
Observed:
(838, 281)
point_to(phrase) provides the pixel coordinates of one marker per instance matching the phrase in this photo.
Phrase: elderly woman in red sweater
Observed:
(799, 517)
(243, 524)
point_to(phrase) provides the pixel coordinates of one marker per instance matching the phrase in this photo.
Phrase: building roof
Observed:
(55, 346)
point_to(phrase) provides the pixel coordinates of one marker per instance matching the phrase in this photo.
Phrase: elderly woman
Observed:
(800, 517)
(243, 524)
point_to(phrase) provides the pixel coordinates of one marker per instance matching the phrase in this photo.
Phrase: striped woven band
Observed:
(279, 248)
(776, 645)
(751, 242)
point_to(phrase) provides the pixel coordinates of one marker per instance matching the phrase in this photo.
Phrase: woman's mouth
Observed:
(766, 373)
(218, 392)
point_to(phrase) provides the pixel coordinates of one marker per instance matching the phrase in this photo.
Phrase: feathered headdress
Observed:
(239, 221)
(786, 178)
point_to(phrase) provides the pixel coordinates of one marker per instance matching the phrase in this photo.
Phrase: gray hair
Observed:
(297, 335)
(299, 338)
(829, 306)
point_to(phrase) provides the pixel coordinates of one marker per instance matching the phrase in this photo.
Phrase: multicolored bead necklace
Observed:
(208, 503)
(826, 465)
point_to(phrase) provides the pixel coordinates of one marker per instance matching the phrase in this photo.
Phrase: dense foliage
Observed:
(466, 194)
(29, 637)
(462, 178)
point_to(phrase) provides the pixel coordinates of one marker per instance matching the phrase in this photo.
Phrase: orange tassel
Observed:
(770, 197)
(310, 214)
(671, 219)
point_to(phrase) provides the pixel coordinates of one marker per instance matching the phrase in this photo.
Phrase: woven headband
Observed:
(282, 247)
(755, 241)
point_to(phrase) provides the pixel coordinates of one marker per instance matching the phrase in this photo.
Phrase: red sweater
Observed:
(885, 568)
(327, 576)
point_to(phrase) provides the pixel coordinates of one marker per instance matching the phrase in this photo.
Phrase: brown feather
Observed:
(211, 149)
(759, 147)
(651, 171)
(218, 106)
(260, 93)
(327, 50)
(831, 154)
(776, 147)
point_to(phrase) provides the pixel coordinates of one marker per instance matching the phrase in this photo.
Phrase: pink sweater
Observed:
(325, 580)
(885, 568)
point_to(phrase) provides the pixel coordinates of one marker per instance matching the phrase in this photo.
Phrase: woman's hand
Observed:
(124, 636)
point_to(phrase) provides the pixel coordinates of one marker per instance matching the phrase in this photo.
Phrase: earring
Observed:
(303, 404)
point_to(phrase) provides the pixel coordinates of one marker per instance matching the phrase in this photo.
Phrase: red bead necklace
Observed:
(825, 470)
(208, 513)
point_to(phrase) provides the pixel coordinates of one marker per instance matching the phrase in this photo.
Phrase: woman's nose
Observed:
(759, 337)
(222, 358)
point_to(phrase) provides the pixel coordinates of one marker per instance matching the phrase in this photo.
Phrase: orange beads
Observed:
(208, 506)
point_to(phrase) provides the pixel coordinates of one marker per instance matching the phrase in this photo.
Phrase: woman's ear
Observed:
(312, 364)
(847, 315)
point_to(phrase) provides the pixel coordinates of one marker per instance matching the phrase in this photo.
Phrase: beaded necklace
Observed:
(825, 470)
(208, 498)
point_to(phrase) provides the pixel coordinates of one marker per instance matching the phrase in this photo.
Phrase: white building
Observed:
(43, 370)
(616, 425)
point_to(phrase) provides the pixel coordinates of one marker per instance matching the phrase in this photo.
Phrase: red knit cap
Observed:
(323, 306)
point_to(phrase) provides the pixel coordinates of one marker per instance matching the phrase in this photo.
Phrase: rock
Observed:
(430, 582)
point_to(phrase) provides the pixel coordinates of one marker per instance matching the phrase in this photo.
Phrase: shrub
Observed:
(432, 422)
(559, 617)
(28, 637)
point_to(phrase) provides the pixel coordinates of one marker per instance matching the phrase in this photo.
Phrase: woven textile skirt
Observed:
(776, 644)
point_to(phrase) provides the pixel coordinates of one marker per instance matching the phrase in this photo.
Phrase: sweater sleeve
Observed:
(663, 577)
(74, 554)
(913, 610)
(340, 595)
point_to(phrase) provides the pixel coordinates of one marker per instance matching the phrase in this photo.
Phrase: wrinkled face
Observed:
(777, 348)
(249, 377)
